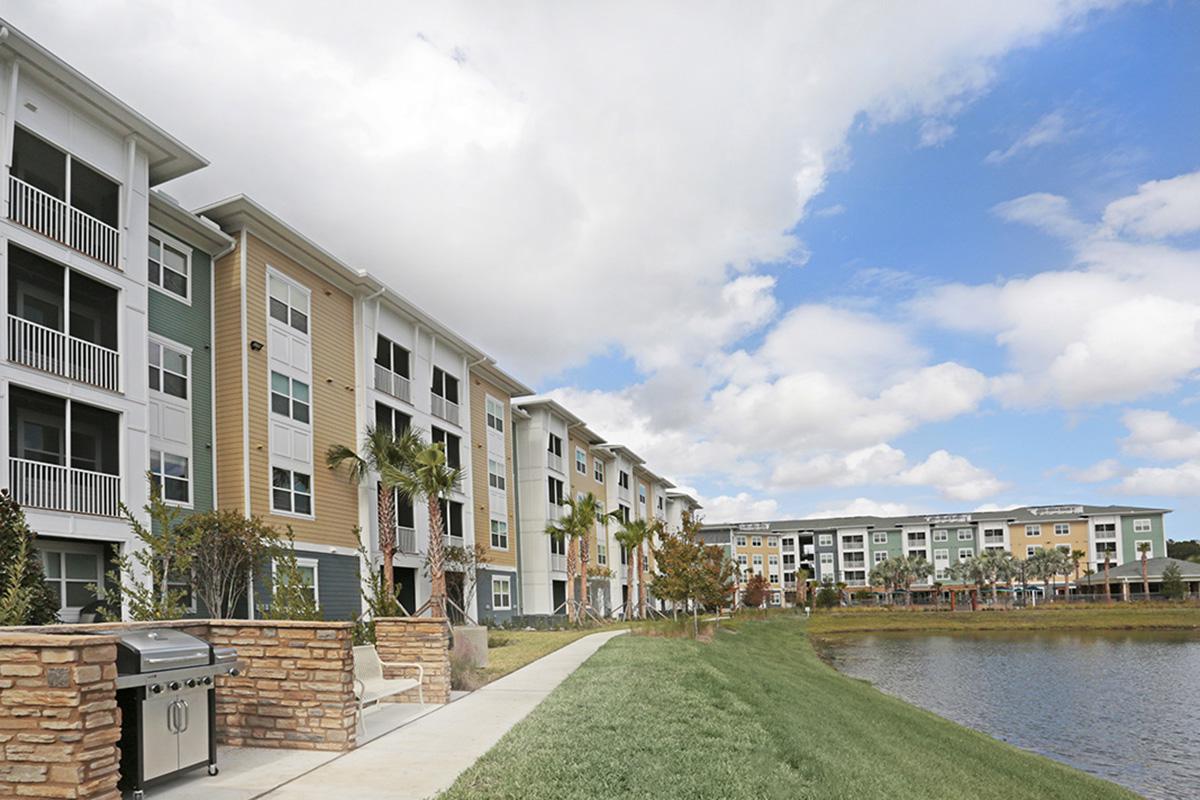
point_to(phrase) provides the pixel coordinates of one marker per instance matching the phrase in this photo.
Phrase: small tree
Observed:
(231, 549)
(291, 597)
(163, 555)
(756, 590)
(827, 596)
(1173, 587)
(691, 573)
(31, 602)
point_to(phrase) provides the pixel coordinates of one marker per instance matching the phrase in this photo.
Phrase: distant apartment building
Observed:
(845, 549)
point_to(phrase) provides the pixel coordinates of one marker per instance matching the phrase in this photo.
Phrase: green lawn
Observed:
(753, 714)
(511, 650)
(1119, 616)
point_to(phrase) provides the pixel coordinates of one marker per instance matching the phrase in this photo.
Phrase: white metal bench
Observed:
(371, 686)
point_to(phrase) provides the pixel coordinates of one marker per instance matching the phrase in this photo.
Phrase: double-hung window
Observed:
(501, 593)
(598, 470)
(288, 303)
(756, 541)
(965, 553)
(1062, 529)
(879, 537)
(169, 265)
(940, 535)
(309, 570)
(450, 443)
(494, 410)
(499, 534)
(495, 475)
(168, 370)
(602, 552)
(1142, 526)
(825, 540)
(1033, 530)
(741, 541)
(169, 474)
(966, 535)
(289, 398)
(291, 491)
(580, 461)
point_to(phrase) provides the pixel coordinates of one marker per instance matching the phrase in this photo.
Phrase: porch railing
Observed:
(57, 220)
(442, 408)
(389, 382)
(554, 461)
(55, 352)
(406, 540)
(58, 488)
(558, 562)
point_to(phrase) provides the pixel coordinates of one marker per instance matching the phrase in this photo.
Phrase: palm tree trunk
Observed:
(572, 555)
(437, 559)
(1049, 593)
(1107, 585)
(387, 536)
(641, 583)
(995, 594)
(583, 577)
(1145, 580)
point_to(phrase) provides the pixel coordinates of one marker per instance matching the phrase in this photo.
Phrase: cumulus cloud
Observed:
(741, 507)
(1159, 208)
(1181, 480)
(1099, 472)
(934, 133)
(1158, 435)
(954, 476)
(1050, 129)
(863, 507)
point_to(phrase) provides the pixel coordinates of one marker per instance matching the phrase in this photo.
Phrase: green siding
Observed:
(191, 325)
(1129, 538)
(893, 547)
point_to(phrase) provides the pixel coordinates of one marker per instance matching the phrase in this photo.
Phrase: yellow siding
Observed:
(335, 500)
(227, 357)
(480, 388)
(1077, 539)
(586, 483)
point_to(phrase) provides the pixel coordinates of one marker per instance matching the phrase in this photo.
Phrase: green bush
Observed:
(26, 599)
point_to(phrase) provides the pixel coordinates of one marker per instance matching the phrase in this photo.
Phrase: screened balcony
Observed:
(63, 199)
(64, 455)
(61, 321)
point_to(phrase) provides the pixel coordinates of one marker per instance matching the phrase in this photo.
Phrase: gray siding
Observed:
(338, 592)
(483, 597)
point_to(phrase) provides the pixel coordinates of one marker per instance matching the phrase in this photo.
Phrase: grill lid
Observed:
(159, 649)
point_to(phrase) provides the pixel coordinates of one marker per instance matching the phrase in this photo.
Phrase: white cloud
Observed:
(1099, 472)
(1049, 212)
(1181, 479)
(835, 210)
(934, 133)
(1157, 434)
(954, 476)
(1160, 208)
(741, 507)
(1050, 129)
(863, 507)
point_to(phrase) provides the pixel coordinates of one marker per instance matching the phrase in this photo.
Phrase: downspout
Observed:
(516, 528)
(366, 559)
(243, 330)
(10, 122)
(212, 363)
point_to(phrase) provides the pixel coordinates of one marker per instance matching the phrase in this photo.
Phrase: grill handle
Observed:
(187, 715)
(173, 717)
(169, 659)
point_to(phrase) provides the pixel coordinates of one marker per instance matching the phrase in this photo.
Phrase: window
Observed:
(558, 545)
(852, 541)
(623, 510)
(741, 541)
(1030, 549)
(966, 535)
(773, 561)
(70, 574)
(1138, 554)
(391, 419)
(289, 398)
(554, 445)
(965, 553)
(169, 474)
(758, 560)
(309, 569)
(495, 475)
(789, 543)
(450, 443)
(773, 577)
(556, 491)
(501, 592)
(917, 553)
(391, 356)
(642, 493)
(941, 555)
(879, 537)
(452, 518)
(1033, 530)
(499, 534)
(580, 461)
(168, 266)
(445, 386)
(772, 541)
(1141, 526)
(1062, 529)
(288, 303)
(291, 492)
(168, 370)
(993, 536)
(825, 540)
(941, 535)
(602, 553)
(598, 470)
(756, 541)
(495, 414)
(880, 556)
(1106, 530)
(623, 479)
(826, 562)
(1063, 548)
(742, 561)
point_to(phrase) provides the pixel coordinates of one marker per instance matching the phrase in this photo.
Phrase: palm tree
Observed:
(1077, 557)
(564, 529)
(884, 574)
(427, 477)
(634, 535)
(1143, 548)
(910, 570)
(586, 512)
(1107, 585)
(382, 452)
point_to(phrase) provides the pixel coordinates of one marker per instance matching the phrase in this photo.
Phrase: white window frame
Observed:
(740, 541)
(1030, 549)
(602, 553)
(598, 469)
(303, 562)
(497, 481)
(494, 413)
(498, 531)
(825, 540)
(185, 250)
(965, 553)
(773, 560)
(166, 344)
(968, 537)
(742, 560)
(1065, 529)
(1149, 526)
(312, 498)
(301, 291)
(941, 554)
(941, 535)
(162, 476)
(581, 466)
(291, 398)
(60, 583)
(506, 592)
(1033, 530)
(879, 556)
(757, 560)
(879, 537)
(772, 541)
(1137, 556)
(756, 541)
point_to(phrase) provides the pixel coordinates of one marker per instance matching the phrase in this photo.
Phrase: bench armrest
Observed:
(407, 664)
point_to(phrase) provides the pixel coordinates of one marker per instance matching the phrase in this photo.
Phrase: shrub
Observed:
(1173, 587)
(827, 596)
(27, 600)
(291, 597)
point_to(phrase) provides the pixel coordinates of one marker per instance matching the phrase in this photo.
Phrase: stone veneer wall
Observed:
(425, 640)
(296, 688)
(59, 721)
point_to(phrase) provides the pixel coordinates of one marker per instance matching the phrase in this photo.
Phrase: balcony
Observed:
(454, 541)
(63, 199)
(554, 512)
(58, 488)
(442, 408)
(623, 492)
(61, 321)
(554, 461)
(393, 384)
(558, 562)
(406, 540)
(854, 563)
(993, 539)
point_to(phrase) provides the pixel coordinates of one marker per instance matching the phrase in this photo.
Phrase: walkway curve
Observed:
(427, 755)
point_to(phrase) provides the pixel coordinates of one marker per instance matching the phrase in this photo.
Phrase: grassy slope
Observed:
(1121, 616)
(754, 714)
(523, 647)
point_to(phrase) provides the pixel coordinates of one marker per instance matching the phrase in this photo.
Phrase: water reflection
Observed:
(1120, 705)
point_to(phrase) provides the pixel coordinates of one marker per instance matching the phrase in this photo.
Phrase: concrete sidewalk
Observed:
(427, 755)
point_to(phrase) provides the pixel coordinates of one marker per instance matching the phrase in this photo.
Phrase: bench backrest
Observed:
(366, 662)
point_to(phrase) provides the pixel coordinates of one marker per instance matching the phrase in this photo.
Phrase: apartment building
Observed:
(620, 489)
(588, 474)
(496, 531)
(680, 504)
(79, 169)
(845, 549)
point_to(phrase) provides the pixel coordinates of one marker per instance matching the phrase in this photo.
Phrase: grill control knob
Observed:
(173, 686)
(156, 688)
(207, 681)
(235, 672)
(191, 683)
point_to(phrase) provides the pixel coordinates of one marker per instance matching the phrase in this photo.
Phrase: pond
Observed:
(1123, 706)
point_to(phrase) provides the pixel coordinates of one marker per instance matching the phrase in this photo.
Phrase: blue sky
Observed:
(804, 258)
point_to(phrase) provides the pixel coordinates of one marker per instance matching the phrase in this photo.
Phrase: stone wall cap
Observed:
(438, 620)
(29, 639)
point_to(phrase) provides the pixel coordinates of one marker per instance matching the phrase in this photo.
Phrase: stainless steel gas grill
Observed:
(166, 688)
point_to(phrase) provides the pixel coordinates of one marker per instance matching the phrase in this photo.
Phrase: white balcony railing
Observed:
(389, 382)
(406, 540)
(58, 488)
(554, 512)
(558, 562)
(55, 219)
(442, 408)
(454, 541)
(55, 352)
(623, 492)
(554, 461)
